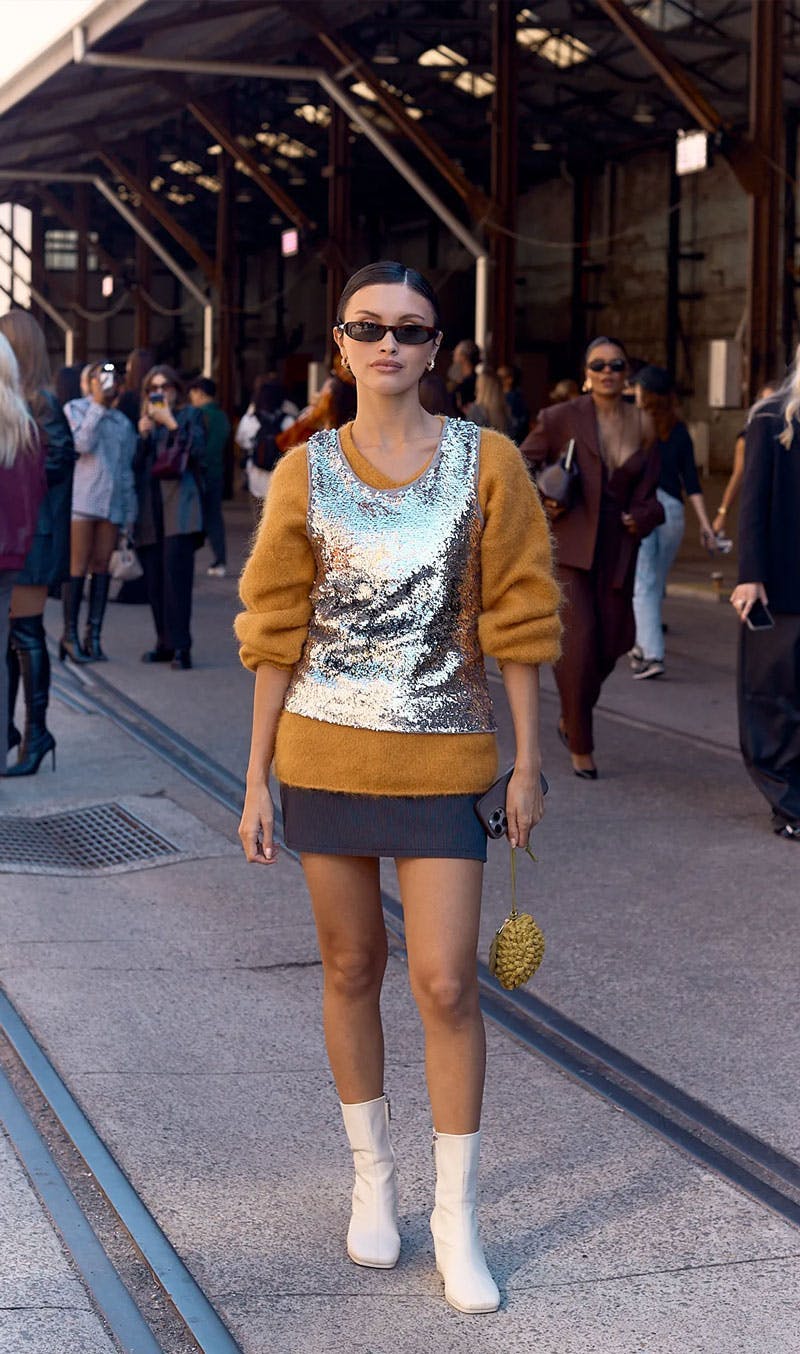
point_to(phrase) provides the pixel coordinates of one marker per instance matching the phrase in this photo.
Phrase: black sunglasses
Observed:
(367, 331)
(616, 364)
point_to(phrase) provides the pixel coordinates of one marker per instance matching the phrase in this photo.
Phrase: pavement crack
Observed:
(661, 1270)
(277, 968)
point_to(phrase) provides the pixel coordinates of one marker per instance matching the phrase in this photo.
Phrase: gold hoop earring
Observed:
(587, 385)
(344, 360)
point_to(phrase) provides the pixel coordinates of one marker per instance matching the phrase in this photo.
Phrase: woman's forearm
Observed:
(521, 681)
(270, 689)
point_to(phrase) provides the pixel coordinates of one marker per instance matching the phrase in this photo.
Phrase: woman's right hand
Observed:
(554, 510)
(743, 597)
(256, 829)
(146, 425)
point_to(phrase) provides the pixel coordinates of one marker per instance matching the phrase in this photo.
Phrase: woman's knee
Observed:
(447, 998)
(354, 973)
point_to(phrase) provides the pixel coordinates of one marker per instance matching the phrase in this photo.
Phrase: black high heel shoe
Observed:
(585, 773)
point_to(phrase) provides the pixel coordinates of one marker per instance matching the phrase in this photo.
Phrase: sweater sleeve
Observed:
(276, 583)
(519, 620)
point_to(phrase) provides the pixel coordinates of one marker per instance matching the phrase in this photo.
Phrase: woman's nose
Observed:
(388, 343)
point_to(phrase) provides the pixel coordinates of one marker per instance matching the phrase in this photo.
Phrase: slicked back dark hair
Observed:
(388, 270)
(601, 341)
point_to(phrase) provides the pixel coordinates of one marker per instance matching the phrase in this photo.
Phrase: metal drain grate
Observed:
(98, 838)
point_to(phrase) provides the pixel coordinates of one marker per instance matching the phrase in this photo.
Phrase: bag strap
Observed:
(528, 852)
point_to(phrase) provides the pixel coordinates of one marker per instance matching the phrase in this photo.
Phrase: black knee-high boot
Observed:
(14, 735)
(28, 640)
(69, 644)
(98, 599)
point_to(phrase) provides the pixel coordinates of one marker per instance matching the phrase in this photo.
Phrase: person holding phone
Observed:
(103, 504)
(170, 474)
(392, 555)
(767, 601)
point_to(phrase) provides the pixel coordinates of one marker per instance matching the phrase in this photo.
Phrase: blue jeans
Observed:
(656, 554)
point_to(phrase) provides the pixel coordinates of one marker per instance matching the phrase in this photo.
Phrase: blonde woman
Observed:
(47, 562)
(769, 577)
(392, 555)
(22, 488)
(489, 409)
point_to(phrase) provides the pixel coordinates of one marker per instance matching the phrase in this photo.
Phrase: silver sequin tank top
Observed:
(393, 637)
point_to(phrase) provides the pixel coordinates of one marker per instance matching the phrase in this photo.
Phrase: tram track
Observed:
(718, 1143)
(31, 1089)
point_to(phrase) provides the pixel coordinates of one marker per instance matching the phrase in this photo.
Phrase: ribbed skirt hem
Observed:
(321, 822)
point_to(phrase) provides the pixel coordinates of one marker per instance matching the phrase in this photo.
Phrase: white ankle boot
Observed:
(468, 1285)
(372, 1238)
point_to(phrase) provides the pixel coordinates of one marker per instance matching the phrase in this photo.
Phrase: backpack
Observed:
(266, 452)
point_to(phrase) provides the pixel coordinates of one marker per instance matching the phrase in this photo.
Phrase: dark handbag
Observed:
(561, 481)
(172, 457)
(491, 807)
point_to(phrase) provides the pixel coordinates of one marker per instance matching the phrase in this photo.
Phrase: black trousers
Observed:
(169, 575)
(769, 712)
(213, 520)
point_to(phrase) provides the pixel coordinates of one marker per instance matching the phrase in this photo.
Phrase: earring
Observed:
(587, 385)
(432, 363)
(344, 360)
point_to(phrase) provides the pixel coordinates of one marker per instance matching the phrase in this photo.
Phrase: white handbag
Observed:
(124, 564)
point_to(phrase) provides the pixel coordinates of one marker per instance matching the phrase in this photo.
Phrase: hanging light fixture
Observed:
(541, 141)
(385, 54)
(643, 113)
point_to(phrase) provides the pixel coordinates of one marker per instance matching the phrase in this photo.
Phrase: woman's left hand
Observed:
(524, 805)
(629, 524)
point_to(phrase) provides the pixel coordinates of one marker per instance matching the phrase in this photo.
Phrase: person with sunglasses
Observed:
(392, 556)
(597, 538)
(170, 471)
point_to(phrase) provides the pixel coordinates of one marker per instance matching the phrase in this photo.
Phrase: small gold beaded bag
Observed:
(518, 946)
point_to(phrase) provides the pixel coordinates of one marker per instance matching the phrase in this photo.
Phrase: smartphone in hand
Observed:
(759, 617)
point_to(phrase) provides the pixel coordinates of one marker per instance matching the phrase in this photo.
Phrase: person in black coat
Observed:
(47, 563)
(769, 576)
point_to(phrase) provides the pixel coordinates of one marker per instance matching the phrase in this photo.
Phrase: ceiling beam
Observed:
(222, 133)
(480, 206)
(153, 204)
(740, 153)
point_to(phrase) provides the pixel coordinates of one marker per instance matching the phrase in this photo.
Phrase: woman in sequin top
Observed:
(392, 556)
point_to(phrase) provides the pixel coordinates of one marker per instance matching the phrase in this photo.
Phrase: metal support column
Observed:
(144, 264)
(766, 135)
(504, 181)
(790, 321)
(338, 248)
(82, 271)
(673, 268)
(224, 258)
(581, 203)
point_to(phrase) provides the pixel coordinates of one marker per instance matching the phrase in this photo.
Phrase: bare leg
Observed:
(81, 536)
(346, 900)
(27, 599)
(103, 542)
(442, 903)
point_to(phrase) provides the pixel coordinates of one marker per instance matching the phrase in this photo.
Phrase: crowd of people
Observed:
(138, 460)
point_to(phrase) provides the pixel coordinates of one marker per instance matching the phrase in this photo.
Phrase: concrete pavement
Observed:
(181, 1005)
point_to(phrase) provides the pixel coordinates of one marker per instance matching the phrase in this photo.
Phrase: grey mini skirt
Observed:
(323, 823)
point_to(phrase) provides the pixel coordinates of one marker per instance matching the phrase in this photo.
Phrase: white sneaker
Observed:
(216, 571)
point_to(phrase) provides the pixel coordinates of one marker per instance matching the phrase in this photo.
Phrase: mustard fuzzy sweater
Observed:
(519, 622)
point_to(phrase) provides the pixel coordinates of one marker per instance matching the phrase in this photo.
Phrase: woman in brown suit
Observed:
(597, 539)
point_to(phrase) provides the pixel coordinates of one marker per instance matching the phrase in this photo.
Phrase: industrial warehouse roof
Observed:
(585, 93)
